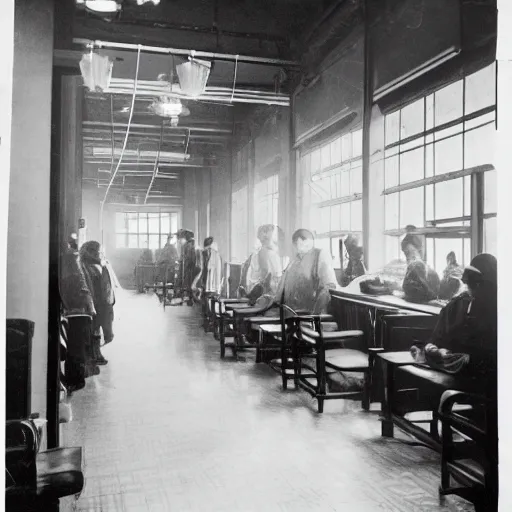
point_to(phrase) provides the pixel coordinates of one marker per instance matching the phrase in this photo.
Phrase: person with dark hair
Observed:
(189, 265)
(100, 285)
(421, 283)
(265, 268)
(468, 323)
(355, 267)
(167, 260)
(452, 278)
(308, 278)
(77, 303)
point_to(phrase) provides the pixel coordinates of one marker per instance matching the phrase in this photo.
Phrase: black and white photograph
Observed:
(249, 256)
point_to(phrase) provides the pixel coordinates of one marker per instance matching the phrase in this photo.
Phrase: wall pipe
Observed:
(187, 53)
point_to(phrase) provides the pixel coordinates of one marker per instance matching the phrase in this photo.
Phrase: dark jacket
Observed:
(469, 326)
(421, 283)
(75, 294)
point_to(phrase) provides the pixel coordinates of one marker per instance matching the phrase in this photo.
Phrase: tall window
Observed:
(135, 230)
(239, 225)
(332, 190)
(437, 151)
(266, 198)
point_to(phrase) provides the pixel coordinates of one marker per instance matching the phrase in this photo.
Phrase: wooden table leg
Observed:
(387, 427)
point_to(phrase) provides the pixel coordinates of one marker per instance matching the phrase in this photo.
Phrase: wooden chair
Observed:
(335, 351)
(37, 480)
(469, 456)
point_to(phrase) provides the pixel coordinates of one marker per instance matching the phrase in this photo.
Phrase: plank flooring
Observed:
(168, 426)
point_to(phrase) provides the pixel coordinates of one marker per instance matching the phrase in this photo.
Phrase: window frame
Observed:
(470, 223)
(127, 233)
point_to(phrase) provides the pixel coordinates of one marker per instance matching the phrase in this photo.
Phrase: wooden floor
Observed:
(168, 426)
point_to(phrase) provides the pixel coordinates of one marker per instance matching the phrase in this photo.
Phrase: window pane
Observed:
(154, 241)
(411, 207)
(133, 241)
(325, 220)
(356, 216)
(163, 240)
(345, 183)
(391, 211)
(430, 112)
(357, 143)
(412, 121)
(429, 205)
(336, 217)
(490, 192)
(448, 155)
(324, 243)
(392, 244)
(491, 236)
(133, 224)
(325, 156)
(467, 195)
(335, 251)
(391, 172)
(448, 200)
(392, 127)
(448, 103)
(336, 151)
(429, 160)
(356, 180)
(143, 241)
(480, 89)
(120, 222)
(165, 223)
(333, 187)
(345, 216)
(411, 166)
(315, 161)
(154, 223)
(346, 147)
(467, 251)
(120, 241)
(143, 223)
(479, 146)
(174, 222)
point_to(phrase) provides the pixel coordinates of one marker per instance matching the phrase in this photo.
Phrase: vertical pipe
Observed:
(53, 361)
(367, 115)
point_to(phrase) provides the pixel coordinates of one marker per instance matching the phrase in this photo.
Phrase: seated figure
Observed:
(468, 323)
(355, 266)
(308, 278)
(451, 283)
(421, 282)
(265, 268)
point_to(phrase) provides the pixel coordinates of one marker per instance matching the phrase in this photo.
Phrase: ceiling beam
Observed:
(196, 29)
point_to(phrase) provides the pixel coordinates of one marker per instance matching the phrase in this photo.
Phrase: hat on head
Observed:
(486, 266)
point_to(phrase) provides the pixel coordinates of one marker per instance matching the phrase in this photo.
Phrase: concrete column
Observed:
(29, 187)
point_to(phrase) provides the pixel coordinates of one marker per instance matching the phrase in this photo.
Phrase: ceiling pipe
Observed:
(187, 53)
(153, 126)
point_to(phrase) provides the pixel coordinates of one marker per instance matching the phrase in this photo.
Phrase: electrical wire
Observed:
(132, 108)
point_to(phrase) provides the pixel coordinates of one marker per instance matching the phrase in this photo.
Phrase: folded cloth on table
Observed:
(439, 358)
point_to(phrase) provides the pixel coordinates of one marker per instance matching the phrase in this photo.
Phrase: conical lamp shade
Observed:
(193, 76)
(96, 71)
